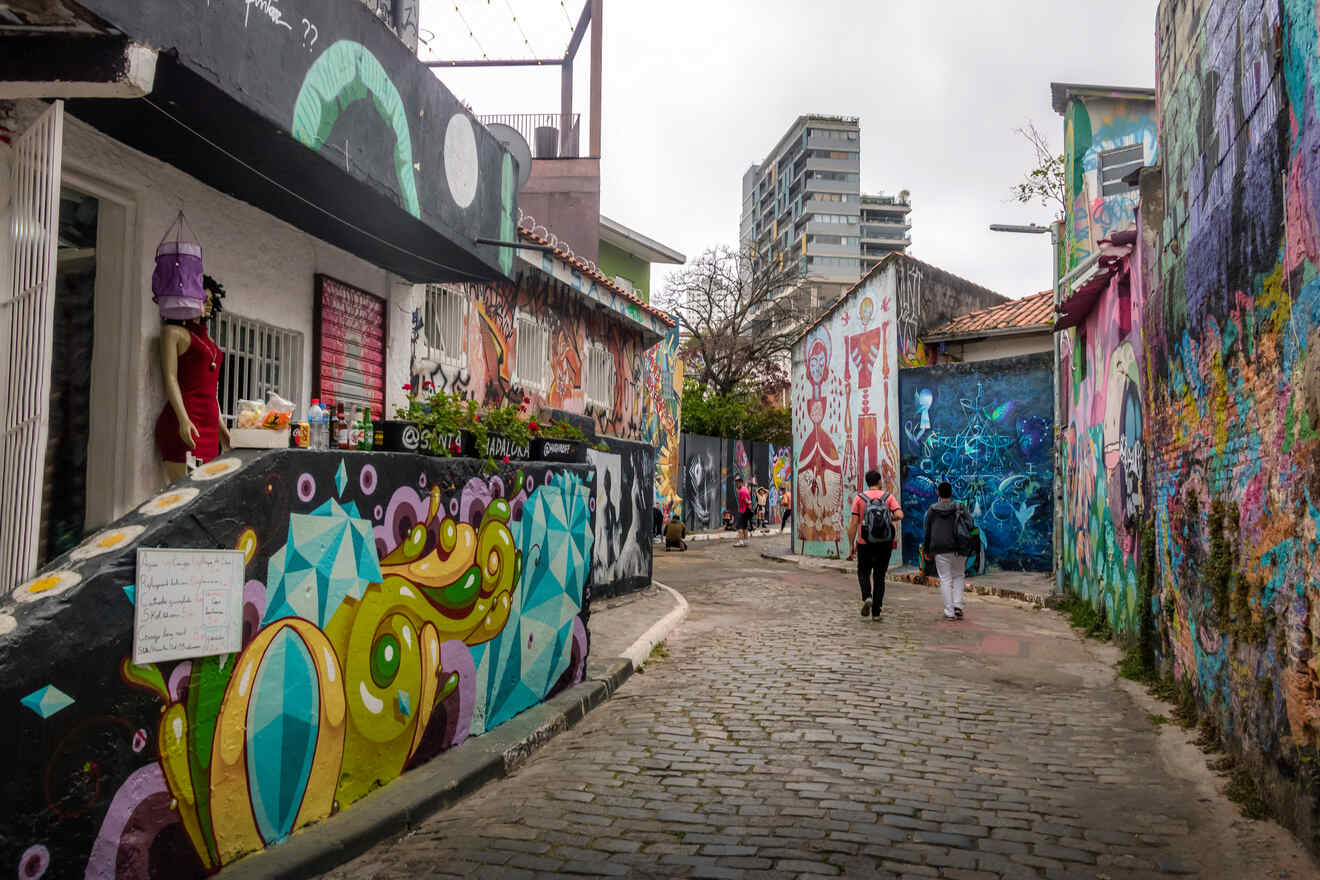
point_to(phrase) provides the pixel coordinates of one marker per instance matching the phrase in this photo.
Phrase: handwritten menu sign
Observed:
(189, 604)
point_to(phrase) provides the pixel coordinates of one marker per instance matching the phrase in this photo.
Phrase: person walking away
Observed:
(675, 533)
(873, 535)
(947, 539)
(744, 511)
(786, 502)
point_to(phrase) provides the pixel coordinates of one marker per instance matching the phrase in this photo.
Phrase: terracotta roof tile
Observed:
(1030, 312)
(595, 274)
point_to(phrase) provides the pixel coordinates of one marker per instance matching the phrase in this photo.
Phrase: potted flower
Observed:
(507, 435)
(403, 432)
(444, 431)
(558, 441)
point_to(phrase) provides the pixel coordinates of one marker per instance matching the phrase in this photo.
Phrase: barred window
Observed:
(444, 322)
(259, 358)
(600, 376)
(532, 360)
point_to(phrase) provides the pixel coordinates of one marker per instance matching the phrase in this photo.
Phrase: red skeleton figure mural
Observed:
(820, 469)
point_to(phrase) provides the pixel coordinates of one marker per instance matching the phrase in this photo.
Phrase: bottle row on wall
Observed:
(325, 429)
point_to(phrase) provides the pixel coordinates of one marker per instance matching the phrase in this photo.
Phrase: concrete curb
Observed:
(640, 650)
(453, 775)
(1042, 599)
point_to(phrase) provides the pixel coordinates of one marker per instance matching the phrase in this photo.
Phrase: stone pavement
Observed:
(784, 735)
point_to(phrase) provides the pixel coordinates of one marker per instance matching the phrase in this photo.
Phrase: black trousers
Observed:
(786, 518)
(872, 565)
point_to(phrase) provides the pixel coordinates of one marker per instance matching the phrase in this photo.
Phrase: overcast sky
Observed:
(695, 92)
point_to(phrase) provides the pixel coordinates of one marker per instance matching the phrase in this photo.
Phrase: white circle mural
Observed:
(461, 160)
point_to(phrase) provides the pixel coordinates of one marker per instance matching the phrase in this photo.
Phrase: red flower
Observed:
(478, 418)
(505, 459)
(455, 448)
(526, 399)
(533, 425)
(407, 386)
(428, 384)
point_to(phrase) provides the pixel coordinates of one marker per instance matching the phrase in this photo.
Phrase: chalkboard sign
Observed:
(189, 603)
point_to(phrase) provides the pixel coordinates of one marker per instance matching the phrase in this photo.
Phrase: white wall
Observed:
(997, 347)
(266, 266)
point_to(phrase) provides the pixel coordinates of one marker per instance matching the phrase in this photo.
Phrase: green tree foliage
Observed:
(744, 414)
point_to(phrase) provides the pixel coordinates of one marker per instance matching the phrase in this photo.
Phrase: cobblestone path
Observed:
(785, 736)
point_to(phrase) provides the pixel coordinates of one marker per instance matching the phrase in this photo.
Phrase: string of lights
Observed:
(526, 42)
(463, 18)
(568, 18)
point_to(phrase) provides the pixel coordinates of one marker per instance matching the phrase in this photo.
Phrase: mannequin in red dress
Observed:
(190, 365)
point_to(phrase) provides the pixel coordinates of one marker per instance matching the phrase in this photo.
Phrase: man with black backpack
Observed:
(873, 534)
(949, 540)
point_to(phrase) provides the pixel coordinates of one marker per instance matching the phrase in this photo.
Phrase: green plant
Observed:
(504, 420)
(440, 417)
(1093, 622)
(1157, 720)
(1242, 791)
(414, 411)
(561, 430)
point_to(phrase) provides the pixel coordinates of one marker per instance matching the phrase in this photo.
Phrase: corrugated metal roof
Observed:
(1029, 313)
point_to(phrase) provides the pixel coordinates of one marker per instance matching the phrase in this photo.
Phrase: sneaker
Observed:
(958, 613)
(866, 607)
(876, 612)
(948, 616)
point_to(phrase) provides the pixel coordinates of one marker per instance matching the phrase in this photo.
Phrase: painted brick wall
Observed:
(1231, 327)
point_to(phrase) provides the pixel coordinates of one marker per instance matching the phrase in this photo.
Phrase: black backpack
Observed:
(964, 541)
(877, 522)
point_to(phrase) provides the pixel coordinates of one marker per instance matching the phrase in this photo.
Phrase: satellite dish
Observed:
(514, 143)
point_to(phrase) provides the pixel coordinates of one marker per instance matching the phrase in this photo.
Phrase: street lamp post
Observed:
(1052, 229)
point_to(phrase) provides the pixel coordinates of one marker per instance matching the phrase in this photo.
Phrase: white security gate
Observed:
(27, 305)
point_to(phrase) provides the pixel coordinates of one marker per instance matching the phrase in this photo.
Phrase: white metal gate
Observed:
(27, 307)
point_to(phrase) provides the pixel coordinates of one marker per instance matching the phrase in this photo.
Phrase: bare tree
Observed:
(735, 313)
(1045, 183)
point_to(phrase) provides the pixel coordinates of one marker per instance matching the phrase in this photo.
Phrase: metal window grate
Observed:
(445, 320)
(27, 307)
(600, 376)
(532, 354)
(259, 358)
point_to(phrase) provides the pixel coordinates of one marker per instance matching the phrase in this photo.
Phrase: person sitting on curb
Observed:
(728, 521)
(675, 533)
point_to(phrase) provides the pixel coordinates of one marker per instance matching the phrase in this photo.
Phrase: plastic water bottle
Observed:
(316, 421)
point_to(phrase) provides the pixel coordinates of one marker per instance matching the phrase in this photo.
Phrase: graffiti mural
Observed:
(663, 420)
(845, 389)
(1094, 126)
(485, 371)
(1192, 445)
(987, 428)
(702, 481)
(623, 504)
(394, 605)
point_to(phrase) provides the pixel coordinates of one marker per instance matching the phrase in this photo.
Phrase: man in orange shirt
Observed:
(873, 535)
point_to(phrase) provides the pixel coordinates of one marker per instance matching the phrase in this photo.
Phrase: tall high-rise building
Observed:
(803, 211)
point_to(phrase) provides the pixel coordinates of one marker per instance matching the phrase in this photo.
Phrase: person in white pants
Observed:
(941, 542)
(951, 568)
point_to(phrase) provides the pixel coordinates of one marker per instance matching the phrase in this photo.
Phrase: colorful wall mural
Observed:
(988, 429)
(663, 420)
(845, 389)
(395, 605)
(490, 340)
(1092, 126)
(1219, 384)
(1104, 447)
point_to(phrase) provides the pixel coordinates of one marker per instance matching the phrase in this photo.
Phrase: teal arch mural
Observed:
(344, 73)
